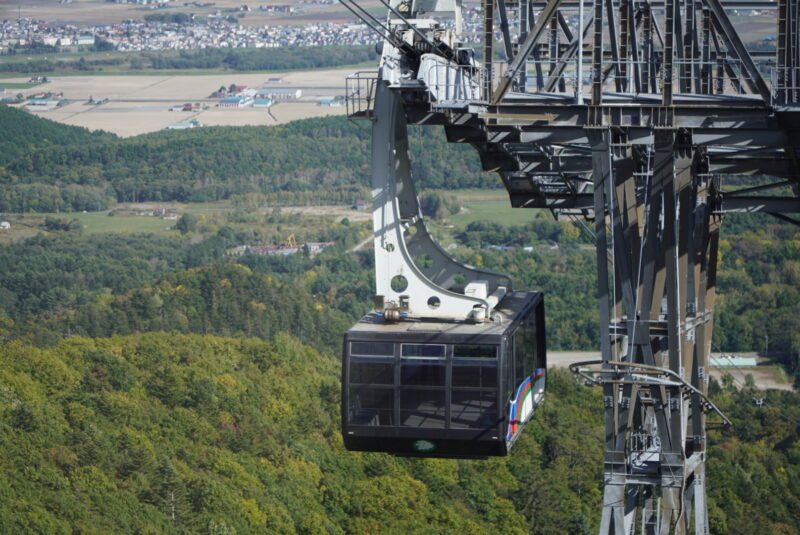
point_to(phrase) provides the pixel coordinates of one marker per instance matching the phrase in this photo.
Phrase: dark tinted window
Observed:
(475, 351)
(371, 406)
(471, 409)
(423, 350)
(422, 408)
(371, 373)
(525, 349)
(474, 376)
(416, 373)
(372, 349)
(520, 348)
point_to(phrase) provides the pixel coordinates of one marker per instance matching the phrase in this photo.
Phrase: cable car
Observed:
(444, 389)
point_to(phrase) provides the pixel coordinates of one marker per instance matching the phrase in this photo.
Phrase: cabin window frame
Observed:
(488, 385)
(355, 389)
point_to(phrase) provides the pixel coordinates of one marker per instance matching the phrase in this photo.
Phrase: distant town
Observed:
(180, 31)
(185, 32)
(209, 32)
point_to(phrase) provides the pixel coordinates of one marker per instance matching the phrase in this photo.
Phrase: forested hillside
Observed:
(153, 383)
(170, 433)
(44, 59)
(52, 167)
(759, 302)
(66, 282)
(262, 59)
(24, 133)
(327, 159)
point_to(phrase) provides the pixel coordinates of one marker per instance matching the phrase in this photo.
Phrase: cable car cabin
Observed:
(444, 389)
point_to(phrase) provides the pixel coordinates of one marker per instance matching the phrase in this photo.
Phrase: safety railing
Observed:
(599, 372)
(360, 94)
(785, 82)
(721, 75)
(644, 452)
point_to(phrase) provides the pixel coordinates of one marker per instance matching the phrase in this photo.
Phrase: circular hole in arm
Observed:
(399, 283)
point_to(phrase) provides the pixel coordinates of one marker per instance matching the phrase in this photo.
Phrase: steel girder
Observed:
(675, 104)
(645, 162)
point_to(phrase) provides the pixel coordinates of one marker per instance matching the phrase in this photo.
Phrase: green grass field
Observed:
(120, 224)
(479, 205)
(468, 195)
(27, 225)
(497, 211)
(18, 85)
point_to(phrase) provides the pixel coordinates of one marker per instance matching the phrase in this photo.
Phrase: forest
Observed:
(187, 433)
(152, 383)
(47, 167)
(262, 59)
(235, 59)
(313, 160)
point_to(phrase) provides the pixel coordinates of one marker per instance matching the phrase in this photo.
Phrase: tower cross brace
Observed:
(644, 150)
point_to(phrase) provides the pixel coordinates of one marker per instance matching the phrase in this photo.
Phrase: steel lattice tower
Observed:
(643, 147)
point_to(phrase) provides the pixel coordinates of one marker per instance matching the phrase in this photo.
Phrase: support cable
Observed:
(413, 28)
(373, 23)
(612, 200)
(583, 224)
(640, 263)
(525, 50)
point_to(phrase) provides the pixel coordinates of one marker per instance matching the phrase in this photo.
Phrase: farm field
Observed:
(27, 225)
(100, 11)
(141, 104)
(173, 87)
(499, 211)
(19, 85)
(131, 119)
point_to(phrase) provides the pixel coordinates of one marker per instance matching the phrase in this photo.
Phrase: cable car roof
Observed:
(509, 309)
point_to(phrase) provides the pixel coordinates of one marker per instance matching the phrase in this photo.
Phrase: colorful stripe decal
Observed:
(521, 409)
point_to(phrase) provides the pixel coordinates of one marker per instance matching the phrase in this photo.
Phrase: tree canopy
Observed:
(160, 384)
(325, 159)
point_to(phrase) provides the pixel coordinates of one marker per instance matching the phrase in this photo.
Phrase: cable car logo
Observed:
(521, 409)
(423, 446)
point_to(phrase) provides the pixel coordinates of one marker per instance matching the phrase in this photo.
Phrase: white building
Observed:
(184, 125)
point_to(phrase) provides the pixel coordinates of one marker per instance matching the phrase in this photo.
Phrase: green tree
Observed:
(187, 223)
(169, 492)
